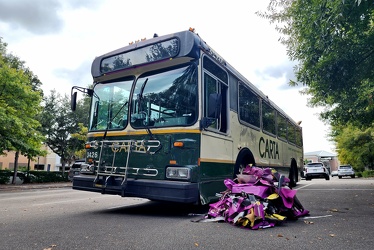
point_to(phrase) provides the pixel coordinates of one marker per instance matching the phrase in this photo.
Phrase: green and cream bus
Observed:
(170, 119)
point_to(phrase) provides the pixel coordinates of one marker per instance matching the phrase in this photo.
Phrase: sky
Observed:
(59, 39)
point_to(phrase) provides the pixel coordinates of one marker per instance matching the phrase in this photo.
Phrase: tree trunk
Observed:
(28, 165)
(27, 179)
(15, 167)
(63, 167)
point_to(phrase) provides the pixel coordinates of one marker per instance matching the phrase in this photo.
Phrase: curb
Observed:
(12, 187)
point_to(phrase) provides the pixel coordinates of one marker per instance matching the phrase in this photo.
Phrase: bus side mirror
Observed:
(214, 105)
(73, 101)
(214, 110)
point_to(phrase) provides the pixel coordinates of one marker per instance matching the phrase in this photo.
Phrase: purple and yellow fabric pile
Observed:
(257, 198)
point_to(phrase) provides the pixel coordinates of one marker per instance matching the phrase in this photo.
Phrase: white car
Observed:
(316, 170)
(334, 173)
(346, 170)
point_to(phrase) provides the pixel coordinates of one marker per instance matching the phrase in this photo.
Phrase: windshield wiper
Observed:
(140, 95)
(109, 124)
(140, 98)
(149, 132)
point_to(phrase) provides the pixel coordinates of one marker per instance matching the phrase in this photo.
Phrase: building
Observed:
(330, 160)
(50, 162)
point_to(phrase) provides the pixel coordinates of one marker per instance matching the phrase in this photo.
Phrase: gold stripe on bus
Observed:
(216, 161)
(167, 131)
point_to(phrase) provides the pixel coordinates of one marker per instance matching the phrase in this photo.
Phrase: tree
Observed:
(80, 139)
(61, 126)
(333, 43)
(81, 114)
(348, 139)
(20, 98)
(56, 125)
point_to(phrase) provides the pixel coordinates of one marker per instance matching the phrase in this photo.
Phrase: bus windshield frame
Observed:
(159, 99)
(109, 106)
(165, 99)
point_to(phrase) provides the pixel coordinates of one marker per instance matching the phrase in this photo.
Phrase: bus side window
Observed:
(282, 127)
(249, 106)
(268, 118)
(291, 133)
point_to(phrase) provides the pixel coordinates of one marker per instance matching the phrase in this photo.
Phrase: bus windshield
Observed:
(168, 98)
(109, 108)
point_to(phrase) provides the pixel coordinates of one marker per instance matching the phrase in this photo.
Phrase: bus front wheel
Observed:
(245, 157)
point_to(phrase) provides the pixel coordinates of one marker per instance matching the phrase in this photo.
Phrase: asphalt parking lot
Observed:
(341, 217)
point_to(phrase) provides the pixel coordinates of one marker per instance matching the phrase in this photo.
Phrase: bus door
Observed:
(216, 146)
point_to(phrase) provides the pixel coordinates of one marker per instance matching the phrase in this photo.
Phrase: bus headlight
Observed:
(178, 173)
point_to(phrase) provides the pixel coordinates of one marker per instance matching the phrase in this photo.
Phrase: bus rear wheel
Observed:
(294, 174)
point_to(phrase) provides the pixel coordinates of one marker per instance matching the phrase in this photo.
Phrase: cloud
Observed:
(88, 4)
(284, 71)
(79, 76)
(38, 17)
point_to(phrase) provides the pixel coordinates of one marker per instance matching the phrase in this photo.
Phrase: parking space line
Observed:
(304, 186)
(315, 217)
(341, 189)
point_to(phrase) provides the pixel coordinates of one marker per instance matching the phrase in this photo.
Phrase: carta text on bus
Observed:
(268, 148)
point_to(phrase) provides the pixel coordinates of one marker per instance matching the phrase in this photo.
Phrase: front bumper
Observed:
(173, 191)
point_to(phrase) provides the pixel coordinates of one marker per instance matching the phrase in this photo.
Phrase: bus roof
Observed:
(190, 40)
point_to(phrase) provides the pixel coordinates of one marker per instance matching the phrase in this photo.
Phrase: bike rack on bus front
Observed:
(128, 146)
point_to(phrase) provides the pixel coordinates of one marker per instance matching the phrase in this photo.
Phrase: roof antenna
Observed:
(155, 35)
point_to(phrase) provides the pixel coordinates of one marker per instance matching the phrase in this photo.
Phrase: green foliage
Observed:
(368, 173)
(82, 113)
(57, 124)
(355, 146)
(4, 176)
(333, 43)
(62, 127)
(81, 138)
(20, 98)
(45, 176)
(34, 176)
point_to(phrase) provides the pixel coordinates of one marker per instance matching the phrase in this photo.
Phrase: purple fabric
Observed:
(229, 183)
(245, 202)
(287, 196)
(260, 191)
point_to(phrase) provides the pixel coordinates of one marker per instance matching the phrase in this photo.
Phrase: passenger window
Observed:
(299, 137)
(268, 118)
(282, 127)
(291, 133)
(249, 106)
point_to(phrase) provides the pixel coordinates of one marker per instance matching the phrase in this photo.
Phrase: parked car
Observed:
(334, 173)
(303, 172)
(346, 170)
(19, 179)
(75, 169)
(316, 170)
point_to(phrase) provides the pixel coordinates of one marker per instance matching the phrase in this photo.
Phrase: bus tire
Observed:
(294, 174)
(244, 158)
